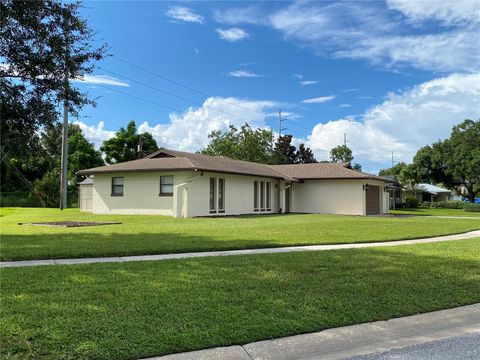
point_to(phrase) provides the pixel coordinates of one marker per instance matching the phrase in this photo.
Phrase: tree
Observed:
(40, 43)
(454, 162)
(125, 144)
(357, 167)
(341, 153)
(304, 155)
(245, 144)
(81, 155)
(285, 152)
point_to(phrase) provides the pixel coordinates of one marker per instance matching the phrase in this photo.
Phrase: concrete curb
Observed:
(350, 341)
(25, 263)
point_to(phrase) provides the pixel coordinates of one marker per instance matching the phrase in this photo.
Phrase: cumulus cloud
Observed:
(244, 74)
(232, 34)
(404, 122)
(189, 131)
(319, 100)
(182, 13)
(95, 134)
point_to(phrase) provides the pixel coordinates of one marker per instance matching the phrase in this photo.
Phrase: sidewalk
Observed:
(349, 341)
(24, 263)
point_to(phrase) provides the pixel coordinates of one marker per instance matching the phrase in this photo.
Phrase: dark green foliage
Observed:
(241, 144)
(40, 42)
(304, 155)
(284, 151)
(411, 202)
(469, 207)
(357, 167)
(341, 153)
(146, 309)
(125, 144)
(450, 204)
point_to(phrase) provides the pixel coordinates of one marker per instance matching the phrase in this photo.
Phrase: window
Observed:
(268, 200)
(166, 185)
(255, 196)
(213, 195)
(117, 186)
(221, 195)
(262, 196)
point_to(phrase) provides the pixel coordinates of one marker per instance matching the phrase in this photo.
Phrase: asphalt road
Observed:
(465, 347)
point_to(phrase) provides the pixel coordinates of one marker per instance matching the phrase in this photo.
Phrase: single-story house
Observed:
(429, 192)
(396, 192)
(182, 184)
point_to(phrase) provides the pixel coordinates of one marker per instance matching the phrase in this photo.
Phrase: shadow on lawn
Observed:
(133, 310)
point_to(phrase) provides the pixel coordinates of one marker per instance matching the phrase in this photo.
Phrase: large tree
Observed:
(454, 162)
(341, 153)
(42, 43)
(241, 144)
(305, 155)
(128, 145)
(81, 155)
(285, 152)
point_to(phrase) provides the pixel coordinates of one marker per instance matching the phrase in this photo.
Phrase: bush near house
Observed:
(411, 202)
(469, 207)
(451, 204)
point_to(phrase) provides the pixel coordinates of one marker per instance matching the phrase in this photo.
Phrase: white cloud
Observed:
(232, 34)
(244, 74)
(447, 12)
(95, 134)
(404, 122)
(182, 13)
(344, 105)
(297, 76)
(364, 97)
(101, 79)
(319, 100)
(189, 131)
(308, 82)
(350, 90)
(376, 33)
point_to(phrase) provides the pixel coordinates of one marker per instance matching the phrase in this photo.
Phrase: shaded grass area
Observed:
(132, 310)
(436, 212)
(139, 235)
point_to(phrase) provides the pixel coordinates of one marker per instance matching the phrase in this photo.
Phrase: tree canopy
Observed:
(341, 153)
(127, 145)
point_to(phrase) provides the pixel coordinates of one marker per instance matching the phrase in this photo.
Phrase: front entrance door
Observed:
(372, 200)
(287, 200)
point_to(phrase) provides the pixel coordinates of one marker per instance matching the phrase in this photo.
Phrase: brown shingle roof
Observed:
(322, 171)
(172, 160)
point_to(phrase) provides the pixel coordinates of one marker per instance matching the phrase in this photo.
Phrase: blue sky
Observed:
(393, 75)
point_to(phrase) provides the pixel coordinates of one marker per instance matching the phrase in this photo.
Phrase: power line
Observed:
(183, 85)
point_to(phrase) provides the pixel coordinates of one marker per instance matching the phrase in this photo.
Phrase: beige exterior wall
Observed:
(345, 197)
(140, 194)
(85, 197)
(192, 191)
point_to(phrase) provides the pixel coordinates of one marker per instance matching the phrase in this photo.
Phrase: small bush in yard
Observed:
(411, 202)
(469, 207)
(452, 204)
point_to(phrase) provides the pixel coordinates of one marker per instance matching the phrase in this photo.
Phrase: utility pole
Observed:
(280, 121)
(64, 162)
(392, 160)
(345, 139)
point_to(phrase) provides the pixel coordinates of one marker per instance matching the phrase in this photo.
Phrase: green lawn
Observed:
(155, 234)
(436, 212)
(132, 310)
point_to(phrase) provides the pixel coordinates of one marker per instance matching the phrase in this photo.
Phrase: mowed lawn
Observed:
(141, 309)
(139, 235)
(437, 212)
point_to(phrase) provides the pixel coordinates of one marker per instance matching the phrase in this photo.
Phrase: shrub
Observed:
(452, 204)
(469, 207)
(411, 202)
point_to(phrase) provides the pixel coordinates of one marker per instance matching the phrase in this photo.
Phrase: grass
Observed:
(138, 235)
(436, 212)
(132, 310)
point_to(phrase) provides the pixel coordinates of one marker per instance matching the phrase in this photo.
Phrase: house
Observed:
(429, 192)
(182, 184)
(395, 191)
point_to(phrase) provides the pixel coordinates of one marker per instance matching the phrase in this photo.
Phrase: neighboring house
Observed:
(182, 184)
(429, 192)
(395, 191)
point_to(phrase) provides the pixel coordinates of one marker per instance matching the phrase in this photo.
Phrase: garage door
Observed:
(373, 200)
